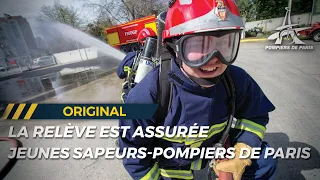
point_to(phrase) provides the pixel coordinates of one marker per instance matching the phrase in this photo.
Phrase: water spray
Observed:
(76, 36)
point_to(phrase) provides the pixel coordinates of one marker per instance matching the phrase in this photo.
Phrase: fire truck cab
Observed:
(124, 36)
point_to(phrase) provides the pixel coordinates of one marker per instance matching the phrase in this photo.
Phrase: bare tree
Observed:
(122, 11)
(60, 13)
(141, 8)
(105, 8)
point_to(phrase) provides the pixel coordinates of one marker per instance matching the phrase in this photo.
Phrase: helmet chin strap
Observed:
(200, 81)
(204, 81)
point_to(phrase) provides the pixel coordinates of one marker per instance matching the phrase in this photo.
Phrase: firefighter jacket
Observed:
(192, 104)
(123, 71)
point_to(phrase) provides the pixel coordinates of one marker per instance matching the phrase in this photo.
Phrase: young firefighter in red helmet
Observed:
(125, 66)
(203, 37)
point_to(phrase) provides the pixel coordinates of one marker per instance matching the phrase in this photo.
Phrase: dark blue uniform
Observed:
(207, 107)
(123, 71)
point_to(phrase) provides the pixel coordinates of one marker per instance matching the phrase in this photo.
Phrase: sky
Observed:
(30, 8)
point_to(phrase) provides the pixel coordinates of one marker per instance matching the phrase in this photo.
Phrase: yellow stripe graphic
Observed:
(18, 112)
(7, 111)
(30, 111)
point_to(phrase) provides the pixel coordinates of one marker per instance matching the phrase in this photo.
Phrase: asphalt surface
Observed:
(290, 79)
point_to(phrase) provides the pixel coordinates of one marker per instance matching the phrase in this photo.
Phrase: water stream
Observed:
(39, 84)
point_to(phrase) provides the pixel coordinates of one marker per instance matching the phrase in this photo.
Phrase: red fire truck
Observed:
(124, 36)
(313, 32)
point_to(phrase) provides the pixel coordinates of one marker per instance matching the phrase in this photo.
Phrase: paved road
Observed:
(290, 79)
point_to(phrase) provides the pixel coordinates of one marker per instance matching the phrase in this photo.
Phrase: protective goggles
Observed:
(198, 50)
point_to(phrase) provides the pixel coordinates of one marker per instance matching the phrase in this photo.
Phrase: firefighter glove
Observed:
(235, 166)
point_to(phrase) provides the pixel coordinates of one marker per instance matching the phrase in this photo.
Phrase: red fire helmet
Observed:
(144, 33)
(197, 16)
